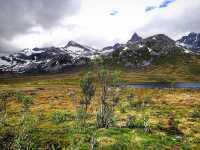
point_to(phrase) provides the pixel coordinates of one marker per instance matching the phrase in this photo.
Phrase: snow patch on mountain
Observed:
(4, 62)
(191, 41)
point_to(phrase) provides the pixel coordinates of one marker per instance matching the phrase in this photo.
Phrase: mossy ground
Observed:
(50, 93)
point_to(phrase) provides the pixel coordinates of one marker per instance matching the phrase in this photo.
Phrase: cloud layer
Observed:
(31, 23)
(18, 17)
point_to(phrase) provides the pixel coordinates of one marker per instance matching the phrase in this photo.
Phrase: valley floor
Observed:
(162, 108)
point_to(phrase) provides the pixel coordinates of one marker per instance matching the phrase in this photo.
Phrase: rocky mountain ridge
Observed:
(137, 52)
(191, 41)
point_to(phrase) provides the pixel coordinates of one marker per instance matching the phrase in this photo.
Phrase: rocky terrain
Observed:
(137, 52)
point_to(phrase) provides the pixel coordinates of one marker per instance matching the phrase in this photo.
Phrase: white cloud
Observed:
(94, 25)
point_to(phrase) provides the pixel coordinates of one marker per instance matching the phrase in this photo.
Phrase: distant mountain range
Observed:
(137, 52)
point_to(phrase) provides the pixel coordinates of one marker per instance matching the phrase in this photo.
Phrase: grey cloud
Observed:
(18, 16)
(174, 26)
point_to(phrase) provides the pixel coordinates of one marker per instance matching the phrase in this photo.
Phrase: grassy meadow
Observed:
(153, 119)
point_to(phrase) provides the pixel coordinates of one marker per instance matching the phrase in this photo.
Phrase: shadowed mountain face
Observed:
(135, 38)
(191, 41)
(145, 51)
(137, 52)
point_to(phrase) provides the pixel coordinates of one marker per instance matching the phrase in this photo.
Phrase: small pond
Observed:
(162, 85)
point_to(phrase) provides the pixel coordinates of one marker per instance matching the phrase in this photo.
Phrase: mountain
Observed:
(49, 59)
(144, 52)
(191, 41)
(135, 38)
(136, 53)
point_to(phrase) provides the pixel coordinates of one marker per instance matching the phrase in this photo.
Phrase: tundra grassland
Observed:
(142, 119)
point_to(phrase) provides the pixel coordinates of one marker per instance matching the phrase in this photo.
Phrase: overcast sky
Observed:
(98, 23)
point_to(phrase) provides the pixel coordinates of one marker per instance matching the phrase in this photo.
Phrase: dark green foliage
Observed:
(131, 100)
(104, 117)
(88, 89)
(6, 139)
(133, 122)
(53, 145)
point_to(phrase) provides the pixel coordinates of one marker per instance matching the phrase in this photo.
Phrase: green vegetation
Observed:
(83, 111)
(58, 117)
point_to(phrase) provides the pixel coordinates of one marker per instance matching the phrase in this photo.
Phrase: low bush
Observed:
(58, 117)
(122, 108)
(173, 125)
(6, 139)
(196, 112)
(133, 122)
(105, 117)
(26, 100)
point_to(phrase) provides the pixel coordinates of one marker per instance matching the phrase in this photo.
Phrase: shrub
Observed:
(105, 117)
(147, 100)
(130, 123)
(115, 99)
(133, 122)
(58, 117)
(130, 97)
(107, 79)
(173, 125)
(122, 108)
(25, 139)
(196, 112)
(3, 107)
(53, 145)
(6, 139)
(81, 116)
(88, 89)
(133, 101)
(26, 100)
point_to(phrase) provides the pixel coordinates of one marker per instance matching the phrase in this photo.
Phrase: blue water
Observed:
(152, 85)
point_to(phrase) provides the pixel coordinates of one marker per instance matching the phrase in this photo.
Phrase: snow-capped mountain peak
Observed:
(47, 59)
(191, 41)
(135, 53)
